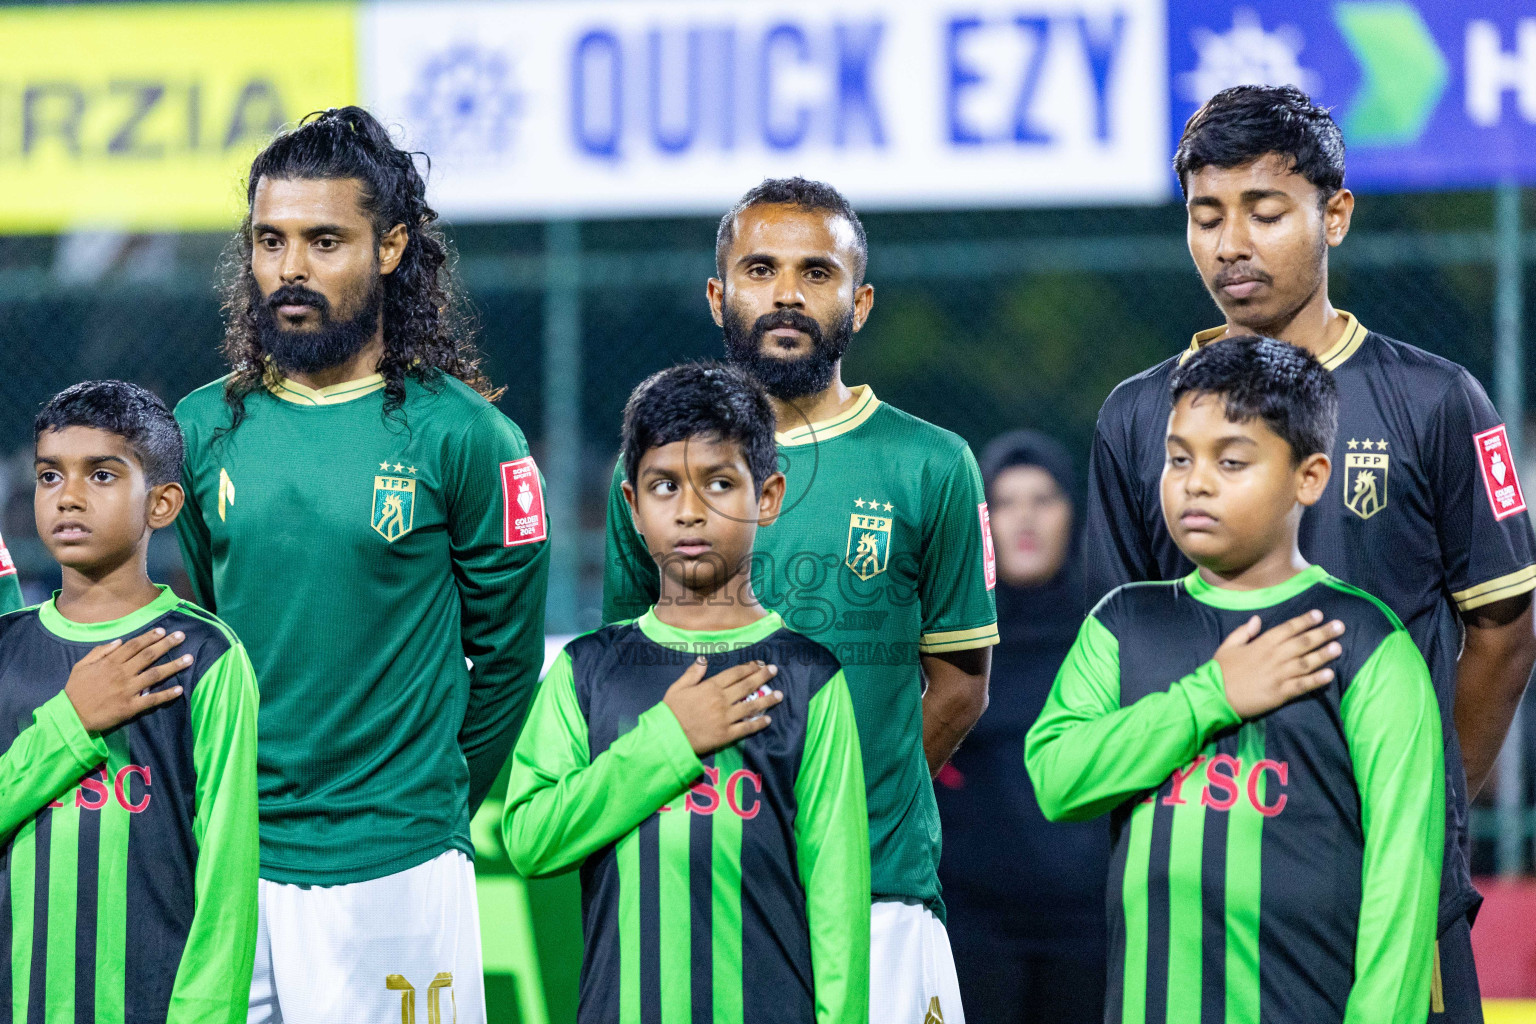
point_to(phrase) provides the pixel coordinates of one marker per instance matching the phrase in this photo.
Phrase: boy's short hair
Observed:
(1261, 378)
(704, 399)
(804, 194)
(1245, 122)
(135, 414)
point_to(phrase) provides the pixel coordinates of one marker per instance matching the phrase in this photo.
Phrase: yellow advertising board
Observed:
(147, 116)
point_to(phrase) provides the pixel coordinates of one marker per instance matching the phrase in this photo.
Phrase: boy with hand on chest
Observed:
(701, 763)
(1264, 737)
(128, 724)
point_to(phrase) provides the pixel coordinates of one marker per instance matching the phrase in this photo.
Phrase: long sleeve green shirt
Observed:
(130, 856)
(736, 885)
(1316, 827)
(363, 555)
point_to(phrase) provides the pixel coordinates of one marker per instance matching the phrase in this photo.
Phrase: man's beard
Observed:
(330, 344)
(787, 377)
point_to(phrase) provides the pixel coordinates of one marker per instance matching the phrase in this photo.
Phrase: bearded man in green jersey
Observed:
(369, 520)
(882, 554)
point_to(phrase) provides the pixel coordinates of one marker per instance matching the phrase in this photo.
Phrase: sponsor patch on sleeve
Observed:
(1498, 466)
(988, 551)
(7, 566)
(522, 499)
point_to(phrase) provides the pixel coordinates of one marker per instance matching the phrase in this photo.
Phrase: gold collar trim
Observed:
(863, 408)
(1348, 343)
(335, 394)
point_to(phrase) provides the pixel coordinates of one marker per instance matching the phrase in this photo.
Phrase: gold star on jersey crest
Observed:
(869, 540)
(394, 500)
(1365, 477)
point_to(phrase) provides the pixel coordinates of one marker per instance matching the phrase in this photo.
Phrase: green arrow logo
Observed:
(1404, 72)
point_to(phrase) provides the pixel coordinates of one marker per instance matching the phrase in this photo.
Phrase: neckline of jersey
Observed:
(741, 636)
(100, 632)
(824, 430)
(1347, 345)
(1252, 600)
(334, 394)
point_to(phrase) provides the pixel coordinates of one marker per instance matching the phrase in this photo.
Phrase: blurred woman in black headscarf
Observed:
(1025, 896)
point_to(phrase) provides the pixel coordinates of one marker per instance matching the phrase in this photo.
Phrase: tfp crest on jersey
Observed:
(869, 545)
(7, 567)
(1365, 478)
(394, 506)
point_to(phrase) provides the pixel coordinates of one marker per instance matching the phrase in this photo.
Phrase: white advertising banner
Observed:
(539, 108)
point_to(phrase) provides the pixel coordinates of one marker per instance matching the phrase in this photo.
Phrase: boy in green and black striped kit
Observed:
(128, 834)
(1264, 737)
(701, 763)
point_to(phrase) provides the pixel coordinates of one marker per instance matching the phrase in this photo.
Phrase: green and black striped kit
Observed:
(130, 857)
(1282, 868)
(728, 890)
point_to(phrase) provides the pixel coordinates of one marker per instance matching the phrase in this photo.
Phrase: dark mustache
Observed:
(1242, 272)
(298, 295)
(791, 318)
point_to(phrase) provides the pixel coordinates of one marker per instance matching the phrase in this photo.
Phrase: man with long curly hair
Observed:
(367, 520)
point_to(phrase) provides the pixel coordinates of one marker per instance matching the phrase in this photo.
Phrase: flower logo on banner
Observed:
(1246, 55)
(466, 102)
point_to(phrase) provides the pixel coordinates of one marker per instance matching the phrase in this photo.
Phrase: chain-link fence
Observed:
(983, 321)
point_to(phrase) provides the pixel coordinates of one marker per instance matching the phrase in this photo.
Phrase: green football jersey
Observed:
(362, 556)
(10, 585)
(883, 552)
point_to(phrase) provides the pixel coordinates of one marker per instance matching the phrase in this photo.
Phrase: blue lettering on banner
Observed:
(597, 52)
(857, 47)
(1038, 37)
(719, 86)
(680, 139)
(778, 39)
(1037, 31)
(961, 78)
(1102, 52)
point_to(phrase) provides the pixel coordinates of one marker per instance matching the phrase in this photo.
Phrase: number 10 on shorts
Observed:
(444, 980)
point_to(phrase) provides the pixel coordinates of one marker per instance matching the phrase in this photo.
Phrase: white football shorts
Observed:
(911, 969)
(405, 947)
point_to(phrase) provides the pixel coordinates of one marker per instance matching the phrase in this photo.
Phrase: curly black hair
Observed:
(428, 331)
(1261, 378)
(705, 399)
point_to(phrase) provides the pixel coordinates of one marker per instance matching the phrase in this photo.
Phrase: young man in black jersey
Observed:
(1276, 797)
(701, 763)
(127, 810)
(1424, 509)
